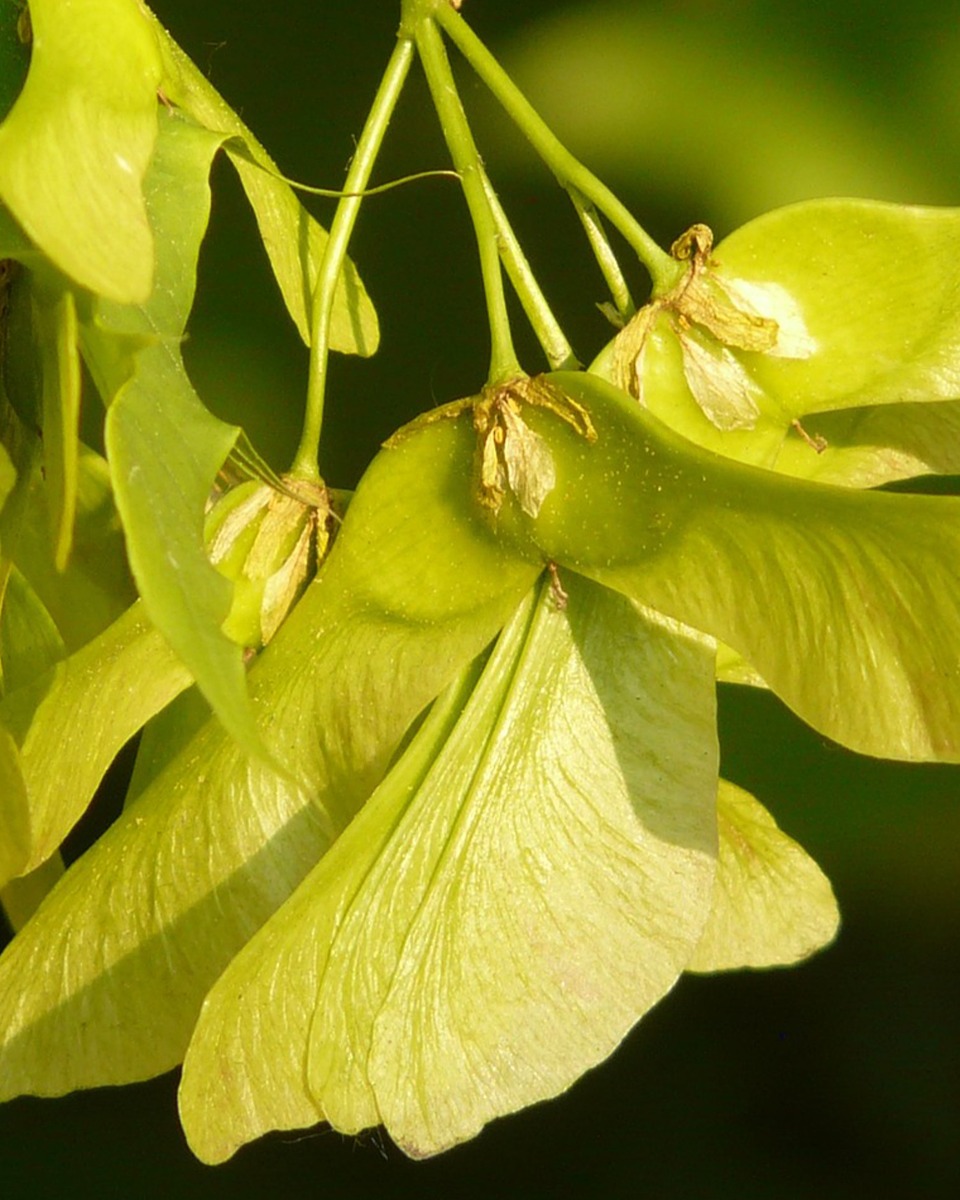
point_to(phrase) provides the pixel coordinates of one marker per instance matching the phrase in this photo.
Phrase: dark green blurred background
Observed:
(841, 1078)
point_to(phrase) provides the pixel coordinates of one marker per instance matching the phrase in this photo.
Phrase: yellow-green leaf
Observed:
(8, 476)
(21, 897)
(164, 447)
(96, 587)
(76, 144)
(56, 323)
(14, 54)
(29, 640)
(14, 811)
(293, 240)
(70, 722)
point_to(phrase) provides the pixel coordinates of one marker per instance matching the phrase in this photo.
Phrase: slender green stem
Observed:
(309, 189)
(335, 252)
(545, 325)
(603, 253)
(456, 129)
(570, 172)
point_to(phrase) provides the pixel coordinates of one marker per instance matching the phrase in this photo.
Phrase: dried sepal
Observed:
(513, 455)
(282, 589)
(726, 394)
(702, 299)
(510, 455)
(712, 319)
(227, 524)
(629, 348)
(529, 463)
(269, 541)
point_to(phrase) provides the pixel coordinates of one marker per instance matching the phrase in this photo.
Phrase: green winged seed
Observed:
(510, 455)
(863, 295)
(787, 573)
(868, 446)
(520, 889)
(214, 845)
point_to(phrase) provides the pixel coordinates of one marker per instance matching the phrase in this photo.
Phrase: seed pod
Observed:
(510, 456)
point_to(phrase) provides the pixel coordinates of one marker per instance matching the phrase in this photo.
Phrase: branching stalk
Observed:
(456, 130)
(603, 253)
(335, 252)
(569, 171)
(551, 337)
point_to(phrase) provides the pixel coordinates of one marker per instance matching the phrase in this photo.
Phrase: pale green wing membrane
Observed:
(68, 731)
(772, 905)
(217, 841)
(844, 601)
(520, 889)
